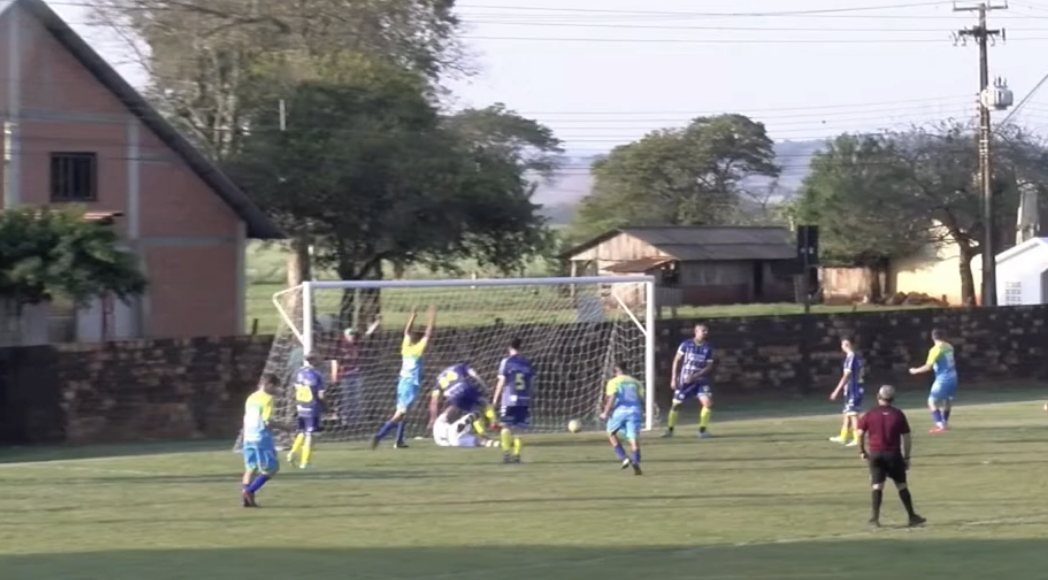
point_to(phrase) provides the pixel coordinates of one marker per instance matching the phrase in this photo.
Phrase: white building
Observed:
(1022, 274)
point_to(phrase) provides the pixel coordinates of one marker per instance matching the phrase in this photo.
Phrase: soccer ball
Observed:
(574, 426)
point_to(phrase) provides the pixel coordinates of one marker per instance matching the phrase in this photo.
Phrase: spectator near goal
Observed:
(347, 375)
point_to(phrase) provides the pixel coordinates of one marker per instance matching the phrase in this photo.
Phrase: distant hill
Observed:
(560, 197)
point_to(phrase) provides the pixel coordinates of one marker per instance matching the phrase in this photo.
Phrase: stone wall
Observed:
(184, 389)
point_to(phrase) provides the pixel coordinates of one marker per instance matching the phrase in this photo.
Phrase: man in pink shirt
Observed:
(347, 373)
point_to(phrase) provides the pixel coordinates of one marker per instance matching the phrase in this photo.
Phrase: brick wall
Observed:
(184, 389)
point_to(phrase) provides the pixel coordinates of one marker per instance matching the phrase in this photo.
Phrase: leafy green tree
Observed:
(688, 176)
(208, 59)
(853, 192)
(371, 173)
(55, 252)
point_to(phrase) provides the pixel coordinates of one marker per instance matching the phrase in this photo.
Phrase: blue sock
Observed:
(620, 452)
(937, 416)
(385, 429)
(400, 433)
(946, 415)
(258, 483)
(636, 456)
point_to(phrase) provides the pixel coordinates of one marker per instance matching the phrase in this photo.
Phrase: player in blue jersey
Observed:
(463, 389)
(260, 451)
(940, 399)
(691, 378)
(851, 384)
(624, 412)
(307, 385)
(513, 397)
(412, 349)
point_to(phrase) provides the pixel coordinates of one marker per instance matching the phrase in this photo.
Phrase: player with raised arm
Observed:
(412, 349)
(461, 386)
(944, 388)
(624, 412)
(259, 449)
(851, 384)
(691, 372)
(308, 386)
(513, 396)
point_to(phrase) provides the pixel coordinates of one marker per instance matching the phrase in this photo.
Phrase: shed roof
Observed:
(258, 223)
(637, 266)
(1016, 251)
(701, 243)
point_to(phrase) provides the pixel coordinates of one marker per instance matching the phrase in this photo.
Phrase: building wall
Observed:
(185, 389)
(620, 248)
(934, 271)
(191, 243)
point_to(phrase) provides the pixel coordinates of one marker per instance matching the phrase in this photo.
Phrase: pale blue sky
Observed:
(604, 72)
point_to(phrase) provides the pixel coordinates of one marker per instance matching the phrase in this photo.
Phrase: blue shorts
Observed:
(464, 397)
(853, 405)
(308, 421)
(261, 456)
(943, 390)
(698, 389)
(515, 417)
(407, 392)
(628, 424)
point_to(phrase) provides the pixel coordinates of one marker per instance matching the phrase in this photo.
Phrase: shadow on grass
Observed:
(887, 553)
(65, 452)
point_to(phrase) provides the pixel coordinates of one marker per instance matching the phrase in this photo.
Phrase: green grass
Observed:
(768, 498)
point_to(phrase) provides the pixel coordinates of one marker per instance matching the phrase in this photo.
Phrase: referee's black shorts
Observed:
(885, 465)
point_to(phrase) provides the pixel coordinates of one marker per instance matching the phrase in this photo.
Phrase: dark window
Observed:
(74, 177)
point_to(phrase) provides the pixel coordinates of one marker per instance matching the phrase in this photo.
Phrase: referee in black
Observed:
(888, 454)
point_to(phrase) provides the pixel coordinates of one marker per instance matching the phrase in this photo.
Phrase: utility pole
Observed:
(997, 97)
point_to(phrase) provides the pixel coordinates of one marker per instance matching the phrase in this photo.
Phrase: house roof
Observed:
(638, 266)
(701, 243)
(1016, 251)
(259, 225)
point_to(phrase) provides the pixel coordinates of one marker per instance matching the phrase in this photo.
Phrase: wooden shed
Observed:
(696, 265)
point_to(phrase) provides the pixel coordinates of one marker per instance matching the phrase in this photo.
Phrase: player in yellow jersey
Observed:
(412, 349)
(944, 388)
(623, 410)
(260, 451)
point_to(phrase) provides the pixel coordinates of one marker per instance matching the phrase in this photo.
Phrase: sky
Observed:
(604, 72)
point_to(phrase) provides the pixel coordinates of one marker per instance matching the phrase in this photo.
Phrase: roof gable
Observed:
(1016, 252)
(259, 225)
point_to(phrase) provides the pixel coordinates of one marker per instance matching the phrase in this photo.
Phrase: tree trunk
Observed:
(299, 269)
(967, 252)
(360, 306)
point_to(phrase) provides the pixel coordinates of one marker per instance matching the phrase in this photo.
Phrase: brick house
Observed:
(76, 132)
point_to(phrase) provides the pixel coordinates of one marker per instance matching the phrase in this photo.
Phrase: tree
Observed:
(887, 195)
(854, 193)
(689, 176)
(55, 252)
(208, 59)
(371, 173)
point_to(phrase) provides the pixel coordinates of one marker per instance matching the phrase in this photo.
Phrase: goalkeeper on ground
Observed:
(461, 433)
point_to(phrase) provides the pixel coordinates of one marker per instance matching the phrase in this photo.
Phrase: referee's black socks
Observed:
(875, 502)
(907, 501)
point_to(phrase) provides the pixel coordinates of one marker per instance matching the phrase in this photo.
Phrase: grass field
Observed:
(768, 498)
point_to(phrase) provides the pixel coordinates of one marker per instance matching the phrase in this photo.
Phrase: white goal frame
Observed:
(647, 326)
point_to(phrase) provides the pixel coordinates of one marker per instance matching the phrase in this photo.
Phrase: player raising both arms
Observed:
(513, 396)
(412, 348)
(691, 378)
(260, 451)
(623, 411)
(461, 386)
(852, 384)
(308, 385)
(944, 388)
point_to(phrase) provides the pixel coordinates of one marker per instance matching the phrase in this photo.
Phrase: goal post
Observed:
(573, 330)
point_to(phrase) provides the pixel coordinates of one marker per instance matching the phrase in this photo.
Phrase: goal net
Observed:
(574, 330)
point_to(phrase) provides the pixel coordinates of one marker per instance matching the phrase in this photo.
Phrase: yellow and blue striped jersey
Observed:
(940, 358)
(258, 410)
(411, 357)
(628, 393)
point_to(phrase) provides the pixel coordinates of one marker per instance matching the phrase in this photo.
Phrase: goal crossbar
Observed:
(645, 326)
